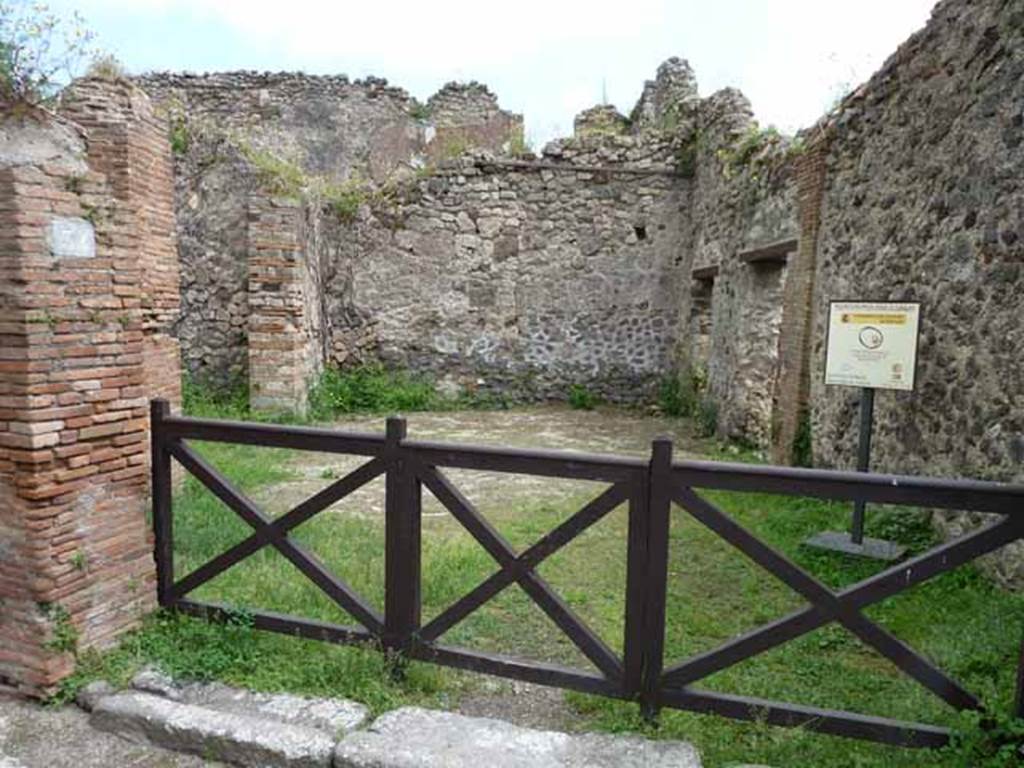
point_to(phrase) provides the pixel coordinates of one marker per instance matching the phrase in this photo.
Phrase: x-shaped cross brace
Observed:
(274, 532)
(516, 568)
(844, 606)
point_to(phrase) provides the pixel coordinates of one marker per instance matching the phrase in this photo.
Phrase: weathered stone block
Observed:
(239, 739)
(417, 738)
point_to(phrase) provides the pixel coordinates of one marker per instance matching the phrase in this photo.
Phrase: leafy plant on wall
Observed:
(39, 51)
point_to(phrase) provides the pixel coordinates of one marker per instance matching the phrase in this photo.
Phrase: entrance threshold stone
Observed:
(224, 736)
(419, 738)
(250, 729)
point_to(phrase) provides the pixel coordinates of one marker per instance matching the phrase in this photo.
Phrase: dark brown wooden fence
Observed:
(650, 487)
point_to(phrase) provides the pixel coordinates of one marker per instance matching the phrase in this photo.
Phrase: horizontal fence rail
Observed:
(654, 488)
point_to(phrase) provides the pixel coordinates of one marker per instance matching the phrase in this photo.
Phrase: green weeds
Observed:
(680, 393)
(581, 398)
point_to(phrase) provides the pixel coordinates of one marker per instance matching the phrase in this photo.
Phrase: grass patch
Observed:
(210, 401)
(960, 620)
(369, 389)
(581, 398)
(706, 417)
(375, 389)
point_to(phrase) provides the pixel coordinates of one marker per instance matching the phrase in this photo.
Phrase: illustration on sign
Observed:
(872, 344)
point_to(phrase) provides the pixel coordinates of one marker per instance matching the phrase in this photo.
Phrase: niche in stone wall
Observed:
(701, 295)
(759, 330)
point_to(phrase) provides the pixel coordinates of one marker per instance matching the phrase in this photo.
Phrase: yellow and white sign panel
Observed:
(872, 344)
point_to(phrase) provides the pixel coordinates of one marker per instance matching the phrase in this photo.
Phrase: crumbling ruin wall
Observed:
(515, 273)
(923, 201)
(526, 277)
(212, 185)
(463, 115)
(230, 131)
(743, 227)
(327, 125)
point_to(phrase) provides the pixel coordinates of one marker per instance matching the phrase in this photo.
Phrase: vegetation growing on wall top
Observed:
(419, 111)
(274, 173)
(756, 151)
(40, 51)
(106, 67)
(518, 145)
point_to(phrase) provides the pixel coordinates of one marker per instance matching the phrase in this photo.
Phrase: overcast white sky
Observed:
(548, 59)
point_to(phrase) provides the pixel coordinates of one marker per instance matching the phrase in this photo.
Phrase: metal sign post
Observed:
(867, 423)
(871, 345)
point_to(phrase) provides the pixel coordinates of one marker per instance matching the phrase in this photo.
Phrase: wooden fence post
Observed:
(647, 572)
(402, 544)
(636, 576)
(660, 480)
(163, 524)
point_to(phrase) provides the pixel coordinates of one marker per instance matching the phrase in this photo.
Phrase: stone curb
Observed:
(284, 731)
(229, 737)
(332, 716)
(418, 738)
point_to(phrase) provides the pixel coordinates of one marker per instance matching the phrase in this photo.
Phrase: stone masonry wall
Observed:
(525, 275)
(518, 278)
(83, 339)
(467, 115)
(212, 185)
(320, 126)
(924, 202)
(574, 268)
(328, 125)
(744, 200)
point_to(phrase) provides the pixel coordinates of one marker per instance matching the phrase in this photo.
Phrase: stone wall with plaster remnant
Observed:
(231, 130)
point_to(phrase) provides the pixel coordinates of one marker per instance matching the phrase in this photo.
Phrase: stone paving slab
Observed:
(418, 738)
(229, 737)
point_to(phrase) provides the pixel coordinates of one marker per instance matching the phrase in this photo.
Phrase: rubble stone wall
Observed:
(923, 201)
(524, 279)
(225, 126)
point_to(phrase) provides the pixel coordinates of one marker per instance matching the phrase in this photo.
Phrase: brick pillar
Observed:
(129, 144)
(283, 354)
(794, 379)
(78, 235)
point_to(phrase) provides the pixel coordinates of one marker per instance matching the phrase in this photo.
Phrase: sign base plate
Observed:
(876, 549)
